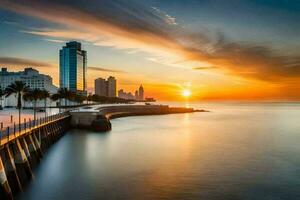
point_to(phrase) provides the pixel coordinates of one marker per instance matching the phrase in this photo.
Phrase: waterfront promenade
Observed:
(14, 131)
(22, 145)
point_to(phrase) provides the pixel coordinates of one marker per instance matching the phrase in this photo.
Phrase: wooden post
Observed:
(25, 124)
(15, 129)
(7, 131)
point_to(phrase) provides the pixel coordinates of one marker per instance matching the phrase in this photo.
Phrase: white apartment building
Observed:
(30, 77)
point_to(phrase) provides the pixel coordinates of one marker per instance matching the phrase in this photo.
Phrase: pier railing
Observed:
(16, 130)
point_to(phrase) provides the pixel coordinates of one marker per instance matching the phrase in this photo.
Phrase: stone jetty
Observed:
(98, 119)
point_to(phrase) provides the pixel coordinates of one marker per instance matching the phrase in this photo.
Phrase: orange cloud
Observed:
(13, 61)
(131, 26)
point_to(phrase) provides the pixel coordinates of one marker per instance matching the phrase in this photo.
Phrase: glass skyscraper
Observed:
(73, 67)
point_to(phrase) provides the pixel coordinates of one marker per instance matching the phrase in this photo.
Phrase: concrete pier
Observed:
(22, 165)
(36, 145)
(26, 150)
(35, 159)
(21, 150)
(98, 119)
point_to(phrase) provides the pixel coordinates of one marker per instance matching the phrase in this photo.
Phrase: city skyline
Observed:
(170, 47)
(138, 95)
(149, 99)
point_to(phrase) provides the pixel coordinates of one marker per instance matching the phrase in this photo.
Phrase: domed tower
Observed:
(141, 93)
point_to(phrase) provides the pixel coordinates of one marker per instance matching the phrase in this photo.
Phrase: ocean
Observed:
(237, 151)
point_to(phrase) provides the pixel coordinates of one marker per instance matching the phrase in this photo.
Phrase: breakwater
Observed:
(22, 147)
(98, 119)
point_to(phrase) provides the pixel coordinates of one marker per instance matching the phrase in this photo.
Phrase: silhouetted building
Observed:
(141, 93)
(100, 87)
(111, 87)
(73, 67)
(136, 95)
(150, 99)
(124, 95)
(130, 96)
(121, 94)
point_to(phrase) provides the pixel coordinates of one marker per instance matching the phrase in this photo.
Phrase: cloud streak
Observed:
(205, 68)
(132, 26)
(104, 70)
(13, 61)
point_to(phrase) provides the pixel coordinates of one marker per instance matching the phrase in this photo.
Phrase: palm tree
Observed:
(44, 95)
(66, 94)
(55, 97)
(19, 88)
(63, 93)
(89, 98)
(72, 96)
(79, 98)
(33, 95)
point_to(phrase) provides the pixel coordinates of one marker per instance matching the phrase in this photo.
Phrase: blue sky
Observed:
(172, 44)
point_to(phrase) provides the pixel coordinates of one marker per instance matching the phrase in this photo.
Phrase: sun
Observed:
(186, 93)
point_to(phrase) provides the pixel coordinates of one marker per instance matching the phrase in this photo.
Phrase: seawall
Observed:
(99, 119)
(22, 150)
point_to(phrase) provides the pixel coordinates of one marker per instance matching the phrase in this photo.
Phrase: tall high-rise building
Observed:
(141, 93)
(73, 67)
(111, 87)
(100, 87)
(136, 95)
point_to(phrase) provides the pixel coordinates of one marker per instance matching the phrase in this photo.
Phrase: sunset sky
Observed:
(217, 49)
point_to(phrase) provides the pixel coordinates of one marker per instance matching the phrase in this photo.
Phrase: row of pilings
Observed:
(19, 156)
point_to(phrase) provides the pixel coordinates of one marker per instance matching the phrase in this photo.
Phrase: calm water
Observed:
(237, 151)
